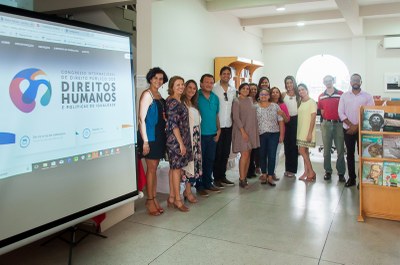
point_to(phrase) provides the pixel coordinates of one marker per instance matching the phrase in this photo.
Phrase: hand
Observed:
(281, 113)
(216, 138)
(309, 137)
(183, 149)
(245, 136)
(353, 129)
(281, 138)
(146, 148)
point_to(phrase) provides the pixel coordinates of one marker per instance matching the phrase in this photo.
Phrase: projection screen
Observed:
(67, 124)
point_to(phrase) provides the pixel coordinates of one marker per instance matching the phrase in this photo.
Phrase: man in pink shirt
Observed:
(349, 109)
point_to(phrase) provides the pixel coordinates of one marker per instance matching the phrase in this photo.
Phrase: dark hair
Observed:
(355, 74)
(253, 84)
(242, 85)
(206, 75)
(193, 100)
(280, 99)
(225, 68)
(262, 80)
(303, 85)
(296, 91)
(172, 83)
(156, 70)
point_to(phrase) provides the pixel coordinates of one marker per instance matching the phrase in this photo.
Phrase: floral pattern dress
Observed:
(194, 168)
(178, 117)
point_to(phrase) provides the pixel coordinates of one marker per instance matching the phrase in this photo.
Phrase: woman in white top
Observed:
(291, 98)
(193, 170)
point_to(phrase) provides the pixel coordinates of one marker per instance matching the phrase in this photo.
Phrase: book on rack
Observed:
(373, 120)
(391, 146)
(371, 145)
(391, 174)
(392, 122)
(372, 172)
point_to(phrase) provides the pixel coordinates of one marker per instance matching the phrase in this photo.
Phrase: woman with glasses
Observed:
(244, 130)
(271, 130)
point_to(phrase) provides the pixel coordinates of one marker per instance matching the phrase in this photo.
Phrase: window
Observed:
(314, 69)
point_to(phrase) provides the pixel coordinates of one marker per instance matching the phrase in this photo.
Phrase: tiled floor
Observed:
(292, 223)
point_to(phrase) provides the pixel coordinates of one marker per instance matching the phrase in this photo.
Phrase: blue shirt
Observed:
(209, 109)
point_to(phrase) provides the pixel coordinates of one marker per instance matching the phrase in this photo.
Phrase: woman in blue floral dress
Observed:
(193, 170)
(179, 145)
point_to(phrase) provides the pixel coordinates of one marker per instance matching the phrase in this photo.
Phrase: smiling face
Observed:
(303, 92)
(244, 91)
(264, 83)
(190, 90)
(226, 76)
(253, 91)
(275, 94)
(178, 87)
(289, 85)
(264, 95)
(157, 81)
(207, 84)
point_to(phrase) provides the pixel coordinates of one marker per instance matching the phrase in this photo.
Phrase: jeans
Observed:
(222, 153)
(351, 141)
(333, 131)
(268, 145)
(208, 148)
(291, 151)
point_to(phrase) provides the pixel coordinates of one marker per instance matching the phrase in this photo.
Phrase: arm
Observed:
(180, 141)
(312, 125)
(281, 131)
(284, 113)
(216, 138)
(144, 104)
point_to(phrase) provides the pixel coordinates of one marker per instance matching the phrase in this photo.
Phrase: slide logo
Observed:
(26, 101)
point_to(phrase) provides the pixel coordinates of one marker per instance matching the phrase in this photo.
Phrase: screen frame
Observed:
(41, 231)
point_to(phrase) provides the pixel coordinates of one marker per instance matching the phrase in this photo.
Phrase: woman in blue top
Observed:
(152, 144)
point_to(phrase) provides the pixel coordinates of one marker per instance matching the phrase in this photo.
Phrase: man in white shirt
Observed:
(226, 93)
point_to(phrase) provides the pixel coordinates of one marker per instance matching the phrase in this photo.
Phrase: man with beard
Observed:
(349, 109)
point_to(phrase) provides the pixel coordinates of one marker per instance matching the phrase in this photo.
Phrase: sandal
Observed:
(313, 178)
(182, 207)
(243, 183)
(159, 208)
(303, 177)
(189, 197)
(156, 212)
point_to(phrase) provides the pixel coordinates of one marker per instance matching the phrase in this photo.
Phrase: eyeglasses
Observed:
(264, 94)
(226, 96)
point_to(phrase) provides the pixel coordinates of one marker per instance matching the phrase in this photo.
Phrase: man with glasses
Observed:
(332, 128)
(226, 93)
(349, 111)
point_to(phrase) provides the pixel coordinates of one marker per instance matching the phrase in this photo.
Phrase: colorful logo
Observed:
(26, 101)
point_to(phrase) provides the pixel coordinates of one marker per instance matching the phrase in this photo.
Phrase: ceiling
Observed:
(358, 17)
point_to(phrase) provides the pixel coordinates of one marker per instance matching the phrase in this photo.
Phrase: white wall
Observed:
(187, 38)
(361, 55)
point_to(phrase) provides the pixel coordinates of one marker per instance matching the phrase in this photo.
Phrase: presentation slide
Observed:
(67, 120)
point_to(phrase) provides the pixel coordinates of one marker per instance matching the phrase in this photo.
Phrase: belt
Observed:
(333, 121)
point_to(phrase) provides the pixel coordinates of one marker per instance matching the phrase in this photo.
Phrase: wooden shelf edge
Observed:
(360, 218)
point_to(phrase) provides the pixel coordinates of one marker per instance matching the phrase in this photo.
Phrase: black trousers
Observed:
(290, 147)
(254, 161)
(222, 154)
(350, 141)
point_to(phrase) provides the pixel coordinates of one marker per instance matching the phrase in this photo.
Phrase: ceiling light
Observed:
(300, 24)
(280, 8)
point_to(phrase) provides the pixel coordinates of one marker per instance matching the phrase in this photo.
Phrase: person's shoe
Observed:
(227, 182)
(342, 178)
(219, 185)
(214, 189)
(350, 182)
(243, 183)
(203, 193)
(275, 178)
(328, 176)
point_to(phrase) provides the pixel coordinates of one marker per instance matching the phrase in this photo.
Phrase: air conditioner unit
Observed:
(391, 42)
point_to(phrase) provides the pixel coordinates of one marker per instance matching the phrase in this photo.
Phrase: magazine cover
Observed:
(371, 145)
(391, 174)
(391, 122)
(373, 120)
(391, 146)
(372, 172)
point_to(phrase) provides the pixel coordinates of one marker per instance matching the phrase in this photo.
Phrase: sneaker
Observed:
(213, 188)
(227, 182)
(219, 185)
(203, 193)
(342, 178)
